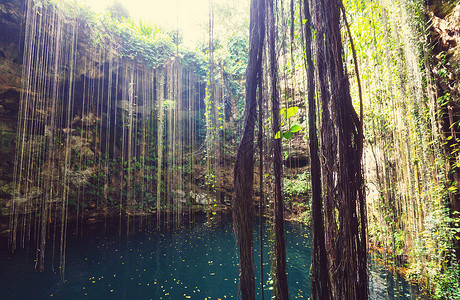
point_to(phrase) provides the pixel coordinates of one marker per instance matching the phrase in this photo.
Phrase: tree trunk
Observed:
(320, 282)
(243, 209)
(281, 285)
(342, 147)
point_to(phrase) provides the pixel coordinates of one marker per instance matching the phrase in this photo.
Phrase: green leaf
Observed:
(304, 21)
(295, 128)
(288, 135)
(278, 135)
(452, 189)
(291, 111)
(283, 112)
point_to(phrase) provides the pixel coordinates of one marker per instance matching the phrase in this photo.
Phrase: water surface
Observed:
(196, 261)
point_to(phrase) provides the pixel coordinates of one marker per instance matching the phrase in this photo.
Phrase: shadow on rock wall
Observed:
(11, 47)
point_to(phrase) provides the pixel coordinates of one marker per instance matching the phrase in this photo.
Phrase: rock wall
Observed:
(445, 67)
(106, 130)
(11, 41)
(444, 38)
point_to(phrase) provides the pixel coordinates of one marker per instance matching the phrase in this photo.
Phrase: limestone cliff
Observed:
(11, 40)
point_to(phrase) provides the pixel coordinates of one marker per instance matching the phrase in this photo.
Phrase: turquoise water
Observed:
(196, 261)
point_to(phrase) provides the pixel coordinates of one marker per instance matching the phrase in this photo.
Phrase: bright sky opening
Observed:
(189, 16)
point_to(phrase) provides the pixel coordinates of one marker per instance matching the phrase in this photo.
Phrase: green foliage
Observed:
(297, 193)
(436, 243)
(143, 42)
(139, 42)
(289, 112)
(448, 282)
(194, 61)
(237, 59)
(407, 210)
(118, 11)
(300, 186)
(169, 104)
(286, 114)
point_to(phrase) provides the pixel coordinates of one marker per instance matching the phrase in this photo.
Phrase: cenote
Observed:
(197, 260)
(129, 147)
